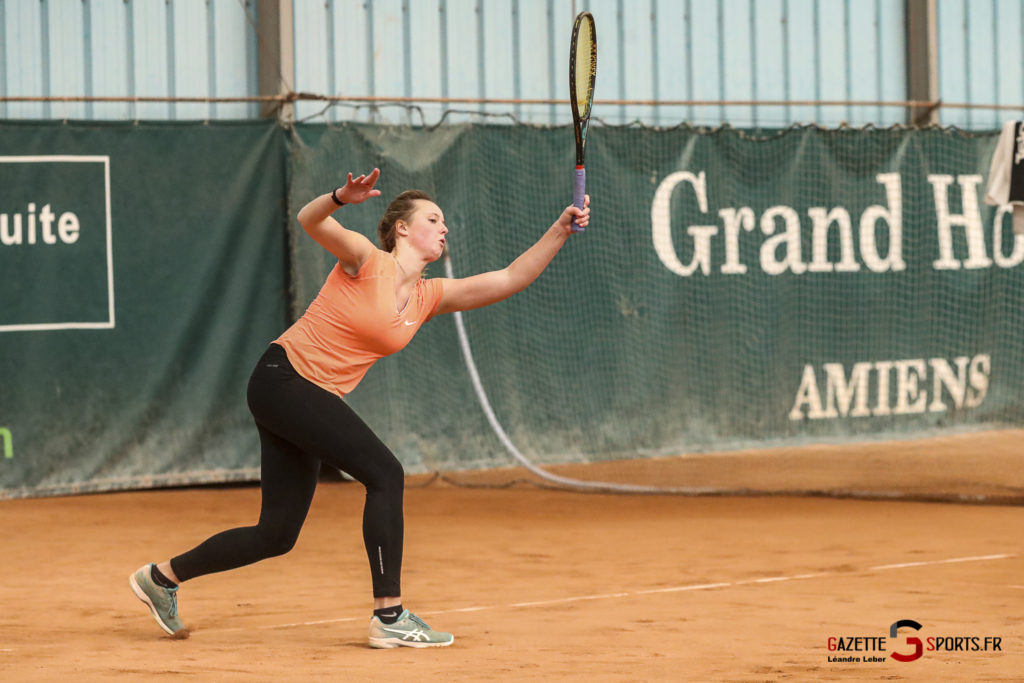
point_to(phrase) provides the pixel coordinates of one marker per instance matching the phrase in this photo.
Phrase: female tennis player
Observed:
(373, 302)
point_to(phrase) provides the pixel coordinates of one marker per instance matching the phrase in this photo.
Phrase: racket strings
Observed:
(584, 68)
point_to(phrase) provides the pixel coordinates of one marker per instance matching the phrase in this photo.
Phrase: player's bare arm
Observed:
(349, 247)
(487, 288)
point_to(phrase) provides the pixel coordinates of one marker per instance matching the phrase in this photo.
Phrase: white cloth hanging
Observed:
(1006, 174)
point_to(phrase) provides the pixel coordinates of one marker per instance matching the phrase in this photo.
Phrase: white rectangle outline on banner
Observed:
(65, 158)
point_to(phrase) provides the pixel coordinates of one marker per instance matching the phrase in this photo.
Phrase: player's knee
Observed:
(279, 541)
(394, 476)
(387, 476)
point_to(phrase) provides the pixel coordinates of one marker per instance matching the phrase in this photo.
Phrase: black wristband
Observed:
(334, 196)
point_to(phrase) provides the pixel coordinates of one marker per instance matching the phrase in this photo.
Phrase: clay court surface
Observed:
(536, 585)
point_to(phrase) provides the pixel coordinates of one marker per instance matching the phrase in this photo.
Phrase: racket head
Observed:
(582, 68)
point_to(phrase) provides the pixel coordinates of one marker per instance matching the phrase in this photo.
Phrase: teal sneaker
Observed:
(408, 631)
(163, 602)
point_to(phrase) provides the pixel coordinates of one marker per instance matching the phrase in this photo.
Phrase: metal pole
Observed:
(276, 56)
(922, 60)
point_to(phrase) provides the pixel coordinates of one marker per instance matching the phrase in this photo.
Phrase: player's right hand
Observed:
(359, 189)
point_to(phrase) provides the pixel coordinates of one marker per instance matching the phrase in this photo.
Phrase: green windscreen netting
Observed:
(142, 273)
(733, 291)
(805, 310)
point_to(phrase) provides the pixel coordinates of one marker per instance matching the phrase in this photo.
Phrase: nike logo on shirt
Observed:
(408, 322)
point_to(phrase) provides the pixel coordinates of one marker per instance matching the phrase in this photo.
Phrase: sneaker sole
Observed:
(388, 643)
(141, 595)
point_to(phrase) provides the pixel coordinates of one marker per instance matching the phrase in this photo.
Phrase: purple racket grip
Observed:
(579, 191)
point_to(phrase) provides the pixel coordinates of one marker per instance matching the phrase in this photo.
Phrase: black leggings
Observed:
(302, 425)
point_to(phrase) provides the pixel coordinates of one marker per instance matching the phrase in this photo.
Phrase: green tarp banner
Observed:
(142, 272)
(732, 290)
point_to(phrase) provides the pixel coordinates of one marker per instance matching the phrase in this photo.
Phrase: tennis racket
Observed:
(582, 74)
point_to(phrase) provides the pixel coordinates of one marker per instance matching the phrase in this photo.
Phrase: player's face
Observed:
(427, 229)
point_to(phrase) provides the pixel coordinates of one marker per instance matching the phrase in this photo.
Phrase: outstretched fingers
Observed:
(360, 188)
(369, 180)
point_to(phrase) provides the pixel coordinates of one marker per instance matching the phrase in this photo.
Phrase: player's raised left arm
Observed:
(487, 288)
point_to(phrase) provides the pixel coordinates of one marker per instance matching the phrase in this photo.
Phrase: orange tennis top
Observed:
(354, 321)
